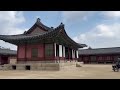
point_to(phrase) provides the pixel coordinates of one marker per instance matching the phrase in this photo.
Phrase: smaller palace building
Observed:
(44, 44)
(7, 56)
(99, 55)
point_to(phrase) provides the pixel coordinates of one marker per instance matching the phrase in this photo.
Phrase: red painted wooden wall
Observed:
(21, 50)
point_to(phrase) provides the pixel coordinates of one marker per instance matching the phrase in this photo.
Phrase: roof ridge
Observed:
(100, 48)
(42, 25)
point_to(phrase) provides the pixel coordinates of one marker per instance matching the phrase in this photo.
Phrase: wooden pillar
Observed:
(89, 59)
(82, 59)
(25, 51)
(68, 53)
(60, 51)
(17, 52)
(77, 53)
(112, 58)
(64, 51)
(0, 60)
(54, 50)
(73, 54)
(44, 50)
(96, 58)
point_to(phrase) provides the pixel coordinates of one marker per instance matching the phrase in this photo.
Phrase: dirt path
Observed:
(68, 72)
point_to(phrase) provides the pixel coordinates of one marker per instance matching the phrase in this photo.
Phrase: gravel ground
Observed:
(67, 72)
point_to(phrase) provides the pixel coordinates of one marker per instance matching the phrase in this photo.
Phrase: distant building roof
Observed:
(7, 52)
(83, 45)
(112, 50)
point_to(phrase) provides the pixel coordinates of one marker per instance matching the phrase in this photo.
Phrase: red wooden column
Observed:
(54, 51)
(63, 53)
(82, 59)
(17, 52)
(96, 58)
(89, 61)
(0, 60)
(25, 52)
(68, 53)
(72, 54)
(44, 51)
(75, 55)
(113, 58)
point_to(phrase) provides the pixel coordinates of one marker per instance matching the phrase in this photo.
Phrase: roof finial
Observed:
(38, 19)
(61, 23)
(52, 27)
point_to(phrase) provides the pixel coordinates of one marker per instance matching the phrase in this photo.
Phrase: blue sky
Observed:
(97, 29)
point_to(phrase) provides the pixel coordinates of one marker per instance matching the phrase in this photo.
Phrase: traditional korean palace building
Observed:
(42, 43)
(99, 55)
(7, 56)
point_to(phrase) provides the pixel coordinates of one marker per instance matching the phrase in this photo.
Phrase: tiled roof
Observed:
(112, 50)
(49, 33)
(7, 52)
(39, 24)
(29, 36)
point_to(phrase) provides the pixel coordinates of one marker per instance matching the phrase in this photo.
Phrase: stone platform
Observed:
(40, 66)
(37, 66)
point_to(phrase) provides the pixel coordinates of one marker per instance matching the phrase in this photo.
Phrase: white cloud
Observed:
(71, 16)
(102, 35)
(104, 31)
(9, 22)
(111, 14)
(80, 38)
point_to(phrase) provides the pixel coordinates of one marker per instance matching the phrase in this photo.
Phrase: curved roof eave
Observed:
(52, 32)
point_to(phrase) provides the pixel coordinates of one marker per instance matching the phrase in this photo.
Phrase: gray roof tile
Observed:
(50, 32)
(111, 50)
(7, 52)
